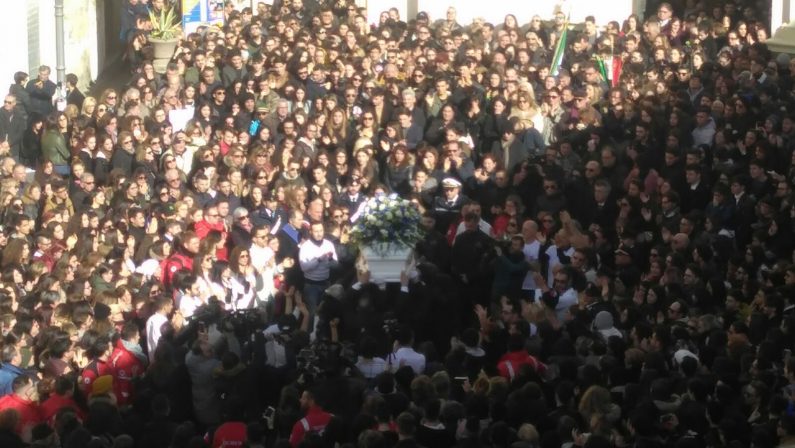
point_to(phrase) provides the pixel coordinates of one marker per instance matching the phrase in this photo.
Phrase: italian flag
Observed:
(560, 49)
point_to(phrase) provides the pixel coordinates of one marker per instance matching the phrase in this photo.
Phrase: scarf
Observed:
(136, 350)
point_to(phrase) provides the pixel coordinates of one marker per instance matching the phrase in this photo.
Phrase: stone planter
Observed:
(386, 261)
(163, 50)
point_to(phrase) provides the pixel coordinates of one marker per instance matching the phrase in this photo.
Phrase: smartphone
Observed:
(268, 413)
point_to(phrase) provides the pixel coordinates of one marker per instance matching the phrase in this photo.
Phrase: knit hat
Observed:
(603, 320)
(102, 385)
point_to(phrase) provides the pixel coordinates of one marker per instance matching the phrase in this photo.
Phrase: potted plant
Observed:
(166, 32)
(386, 232)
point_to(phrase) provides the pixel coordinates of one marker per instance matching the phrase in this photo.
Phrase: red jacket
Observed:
(125, 367)
(203, 228)
(29, 413)
(90, 373)
(55, 403)
(230, 435)
(316, 420)
(178, 260)
(512, 362)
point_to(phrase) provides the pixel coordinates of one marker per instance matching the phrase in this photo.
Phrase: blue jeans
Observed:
(313, 292)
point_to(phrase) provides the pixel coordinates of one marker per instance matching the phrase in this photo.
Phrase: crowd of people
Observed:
(607, 258)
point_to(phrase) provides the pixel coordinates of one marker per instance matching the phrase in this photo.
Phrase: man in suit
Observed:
(604, 208)
(744, 206)
(352, 198)
(290, 237)
(698, 194)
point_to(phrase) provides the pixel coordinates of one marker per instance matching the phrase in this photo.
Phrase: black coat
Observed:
(446, 213)
(123, 160)
(473, 254)
(12, 128)
(240, 236)
(22, 95)
(76, 97)
(101, 170)
(41, 97)
(696, 199)
(31, 148)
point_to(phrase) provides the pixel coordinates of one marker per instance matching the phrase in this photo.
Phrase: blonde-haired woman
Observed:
(594, 94)
(89, 107)
(109, 97)
(238, 182)
(335, 132)
(527, 111)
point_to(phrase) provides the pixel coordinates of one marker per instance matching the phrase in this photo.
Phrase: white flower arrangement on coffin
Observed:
(386, 232)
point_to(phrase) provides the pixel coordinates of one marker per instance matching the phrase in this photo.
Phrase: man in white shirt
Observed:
(261, 253)
(558, 253)
(154, 325)
(531, 250)
(405, 355)
(483, 225)
(317, 256)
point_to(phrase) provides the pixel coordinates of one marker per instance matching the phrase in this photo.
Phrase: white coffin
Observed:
(386, 261)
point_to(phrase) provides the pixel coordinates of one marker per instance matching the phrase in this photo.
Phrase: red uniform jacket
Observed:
(178, 260)
(55, 403)
(230, 435)
(512, 362)
(125, 367)
(29, 412)
(92, 371)
(316, 421)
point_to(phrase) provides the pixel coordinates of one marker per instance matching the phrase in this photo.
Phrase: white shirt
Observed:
(313, 261)
(153, 333)
(260, 256)
(565, 301)
(371, 368)
(242, 297)
(407, 356)
(531, 252)
(188, 305)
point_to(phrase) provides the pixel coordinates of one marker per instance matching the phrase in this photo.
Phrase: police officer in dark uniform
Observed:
(447, 207)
